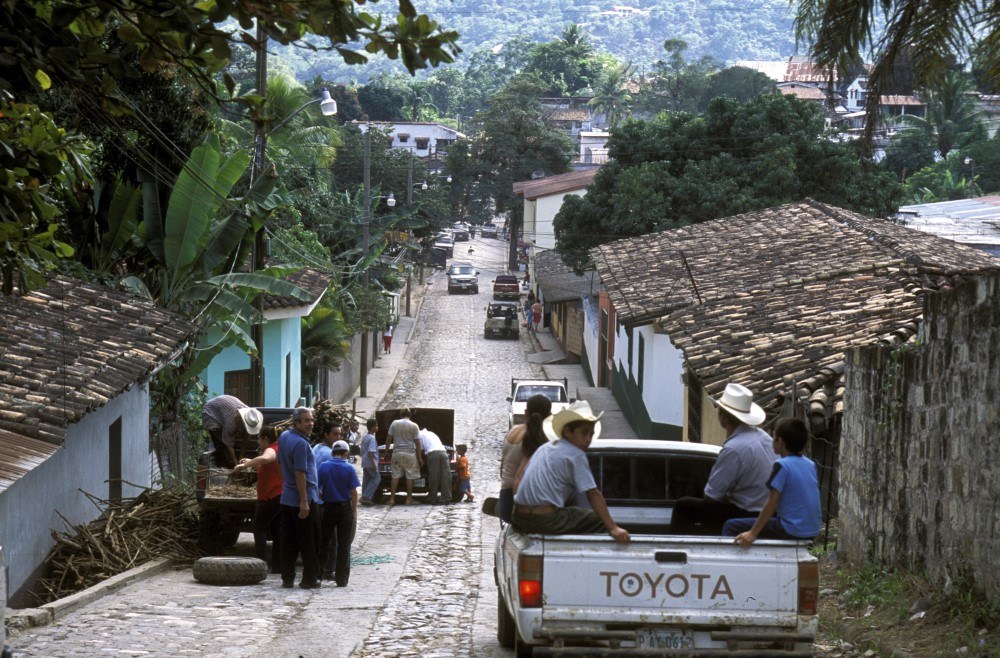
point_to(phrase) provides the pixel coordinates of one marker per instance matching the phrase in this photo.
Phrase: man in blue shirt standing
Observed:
(338, 487)
(299, 502)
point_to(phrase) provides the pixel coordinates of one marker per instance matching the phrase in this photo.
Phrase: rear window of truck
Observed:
(649, 478)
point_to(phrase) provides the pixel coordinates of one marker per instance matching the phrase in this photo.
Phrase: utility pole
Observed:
(364, 253)
(259, 256)
(409, 204)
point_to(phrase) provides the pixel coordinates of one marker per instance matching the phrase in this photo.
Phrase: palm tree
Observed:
(929, 32)
(611, 94)
(951, 120)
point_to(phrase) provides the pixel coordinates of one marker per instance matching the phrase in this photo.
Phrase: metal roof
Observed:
(20, 454)
(969, 221)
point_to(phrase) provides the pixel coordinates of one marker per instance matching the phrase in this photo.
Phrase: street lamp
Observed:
(328, 107)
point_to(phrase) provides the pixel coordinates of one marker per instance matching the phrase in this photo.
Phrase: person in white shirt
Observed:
(438, 469)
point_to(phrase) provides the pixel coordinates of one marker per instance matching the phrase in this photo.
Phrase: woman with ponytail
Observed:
(520, 443)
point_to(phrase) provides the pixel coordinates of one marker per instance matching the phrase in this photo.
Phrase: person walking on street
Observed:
(338, 488)
(438, 471)
(536, 315)
(737, 483)
(402, 441)
(369, 463)
(267, 513)
(512, 453)
(387, 340)
(230, 424)
(300, 532)
(559, 471)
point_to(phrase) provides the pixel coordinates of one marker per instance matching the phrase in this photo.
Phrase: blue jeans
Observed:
(369, 483)
(771, 530)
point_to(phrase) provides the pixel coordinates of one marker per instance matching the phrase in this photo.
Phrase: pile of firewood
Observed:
(325, 414)
(157, 523)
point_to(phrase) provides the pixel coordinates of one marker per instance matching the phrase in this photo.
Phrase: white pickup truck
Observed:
(556, 390)
(660, 594)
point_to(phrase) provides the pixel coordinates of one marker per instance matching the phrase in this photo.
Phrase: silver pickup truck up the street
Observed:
(660, 594)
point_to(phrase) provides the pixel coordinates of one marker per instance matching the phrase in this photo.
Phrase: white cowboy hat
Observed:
(252, 420)
(579, 410)
(738, 401)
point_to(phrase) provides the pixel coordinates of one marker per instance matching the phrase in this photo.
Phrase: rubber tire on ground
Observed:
(506, 629)
(522, 650)
(486, 335)
(236, 570)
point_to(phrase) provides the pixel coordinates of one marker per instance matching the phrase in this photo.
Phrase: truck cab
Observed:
(463, 277)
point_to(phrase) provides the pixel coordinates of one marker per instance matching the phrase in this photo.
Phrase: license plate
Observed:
(420, 482)
(663, 639)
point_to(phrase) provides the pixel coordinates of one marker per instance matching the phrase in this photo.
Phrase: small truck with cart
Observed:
(439, 421)
(521, 389)
(660, 594)
(506, 286)
(227, 500)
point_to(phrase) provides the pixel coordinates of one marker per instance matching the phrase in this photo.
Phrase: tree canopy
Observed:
(683, 168)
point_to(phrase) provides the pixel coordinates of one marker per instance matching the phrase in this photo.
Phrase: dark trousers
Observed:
(564, 521)
(335, 545)
(300, 537)
(694, 516)
(267, 521)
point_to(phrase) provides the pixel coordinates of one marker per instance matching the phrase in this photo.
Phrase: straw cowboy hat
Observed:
(738, 401)
(579, 410)
(252, 420)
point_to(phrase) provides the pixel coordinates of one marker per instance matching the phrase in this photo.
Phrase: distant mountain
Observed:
(632, 30)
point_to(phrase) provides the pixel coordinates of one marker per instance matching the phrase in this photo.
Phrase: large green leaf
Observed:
(151, 227)
(223, 240)
(188, 215)
(263, 283)
(123, 218)
(228, 174)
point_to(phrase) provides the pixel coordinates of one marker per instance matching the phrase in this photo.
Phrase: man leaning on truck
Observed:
(737, 485)
(559, 471)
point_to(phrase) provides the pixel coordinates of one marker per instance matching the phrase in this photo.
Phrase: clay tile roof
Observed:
(784, 293)
(70, 347)
(558, 282)
(897, 99)
(802, 69)
(310, 280)
(574, 180)
(566, 114)
(803, 92)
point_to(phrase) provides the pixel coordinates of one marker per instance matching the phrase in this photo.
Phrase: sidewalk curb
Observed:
(18, 620)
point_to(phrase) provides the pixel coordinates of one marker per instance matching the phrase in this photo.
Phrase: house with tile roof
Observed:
(229, 371)
(771, 299)
(543, 197)
(570, 302)
(76, 360)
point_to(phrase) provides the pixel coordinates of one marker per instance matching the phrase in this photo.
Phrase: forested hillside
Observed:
(632, 30)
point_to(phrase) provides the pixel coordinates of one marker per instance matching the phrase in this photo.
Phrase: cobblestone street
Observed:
(422, 582)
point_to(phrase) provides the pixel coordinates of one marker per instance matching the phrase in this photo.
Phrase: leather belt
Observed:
(535, 509)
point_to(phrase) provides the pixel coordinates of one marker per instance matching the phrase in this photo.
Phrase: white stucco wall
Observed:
(28, 508)
(591, 332)
(662, 389)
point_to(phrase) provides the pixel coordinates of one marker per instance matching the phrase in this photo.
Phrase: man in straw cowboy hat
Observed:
(558, 472)
(230, 424)
(737, 485)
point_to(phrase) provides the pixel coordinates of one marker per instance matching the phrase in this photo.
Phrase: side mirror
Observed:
(510, 399)
(490, 507)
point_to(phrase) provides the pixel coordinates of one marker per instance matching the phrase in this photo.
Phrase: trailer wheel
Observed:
(229, 570)
(506, 629)
(209, 536)
(229, 535)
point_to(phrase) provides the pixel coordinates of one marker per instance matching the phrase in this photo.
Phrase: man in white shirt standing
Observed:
(438, 471)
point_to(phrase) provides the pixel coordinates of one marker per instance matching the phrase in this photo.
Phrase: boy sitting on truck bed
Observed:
(559, 471)
(792, 510)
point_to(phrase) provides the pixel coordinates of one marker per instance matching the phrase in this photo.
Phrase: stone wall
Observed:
(920, 449)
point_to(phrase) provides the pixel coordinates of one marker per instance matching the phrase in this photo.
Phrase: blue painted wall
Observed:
(282, 338)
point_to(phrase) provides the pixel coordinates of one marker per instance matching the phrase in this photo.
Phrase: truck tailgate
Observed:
(702, 581)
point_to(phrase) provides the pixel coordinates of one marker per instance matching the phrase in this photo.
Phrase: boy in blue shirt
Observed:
(792, 510)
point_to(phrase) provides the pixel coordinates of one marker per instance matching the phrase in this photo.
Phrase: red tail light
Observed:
(808, 587)
(529, 585)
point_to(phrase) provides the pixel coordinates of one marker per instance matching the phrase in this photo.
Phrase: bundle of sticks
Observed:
(326, 414)
(156, 523)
